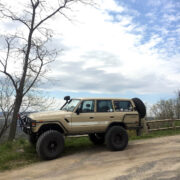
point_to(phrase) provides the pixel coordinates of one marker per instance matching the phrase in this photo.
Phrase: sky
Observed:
(116, 48)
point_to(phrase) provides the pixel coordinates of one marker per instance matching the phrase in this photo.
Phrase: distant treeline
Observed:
(167, 109)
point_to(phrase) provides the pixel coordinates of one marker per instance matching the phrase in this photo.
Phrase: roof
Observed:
(102, 98)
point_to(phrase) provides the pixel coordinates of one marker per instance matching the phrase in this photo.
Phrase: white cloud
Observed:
(110, 6)
(105, 56)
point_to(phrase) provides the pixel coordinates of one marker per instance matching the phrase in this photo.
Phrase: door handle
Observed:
(111, 116)
(91, 117)
(66, 120)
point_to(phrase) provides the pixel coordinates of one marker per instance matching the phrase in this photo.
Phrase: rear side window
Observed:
(123, 106)
(104, 106)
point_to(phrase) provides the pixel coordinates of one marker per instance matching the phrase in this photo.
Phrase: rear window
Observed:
(123, 106)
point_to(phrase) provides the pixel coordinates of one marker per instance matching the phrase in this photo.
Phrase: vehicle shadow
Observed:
(84, 148)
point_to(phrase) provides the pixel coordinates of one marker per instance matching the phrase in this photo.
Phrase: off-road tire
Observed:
(116, 138)
(141, 108)
(50, 145)
(97, 138)
(32, 139)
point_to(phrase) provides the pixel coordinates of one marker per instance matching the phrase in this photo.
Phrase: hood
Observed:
(49, 115)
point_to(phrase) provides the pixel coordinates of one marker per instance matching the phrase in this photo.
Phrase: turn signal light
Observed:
(33, 124)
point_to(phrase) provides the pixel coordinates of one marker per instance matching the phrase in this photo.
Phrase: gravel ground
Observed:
(152, 159)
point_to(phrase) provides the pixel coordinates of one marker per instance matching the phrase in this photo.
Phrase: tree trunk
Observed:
(2, 132)
(13, 124)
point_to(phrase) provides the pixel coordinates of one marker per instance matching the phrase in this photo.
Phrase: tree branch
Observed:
(53, 13)
(37, 74)
(13, 17)
(8, 41)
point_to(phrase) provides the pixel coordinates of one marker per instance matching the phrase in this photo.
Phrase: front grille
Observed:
(25, 123)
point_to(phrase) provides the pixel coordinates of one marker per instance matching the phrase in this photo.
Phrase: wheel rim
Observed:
(52, 146)
(118, 139)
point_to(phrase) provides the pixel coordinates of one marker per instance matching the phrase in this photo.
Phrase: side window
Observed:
(123, 106)
(104, 106)
(87, 106)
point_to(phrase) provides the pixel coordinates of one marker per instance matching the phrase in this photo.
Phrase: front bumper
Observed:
(26, 123)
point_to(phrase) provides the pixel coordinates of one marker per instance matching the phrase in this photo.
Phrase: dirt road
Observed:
(143, 160)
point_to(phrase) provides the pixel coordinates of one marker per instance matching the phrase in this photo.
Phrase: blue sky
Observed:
(118, 48)
(160, 18)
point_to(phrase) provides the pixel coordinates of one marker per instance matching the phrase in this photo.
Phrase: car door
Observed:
(104, 114)
(83, 120)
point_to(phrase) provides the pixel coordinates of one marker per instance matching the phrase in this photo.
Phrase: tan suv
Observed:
(105, 120)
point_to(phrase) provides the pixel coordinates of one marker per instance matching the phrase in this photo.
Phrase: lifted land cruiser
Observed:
(105, 120)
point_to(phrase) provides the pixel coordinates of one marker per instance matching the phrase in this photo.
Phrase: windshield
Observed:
(70, 106)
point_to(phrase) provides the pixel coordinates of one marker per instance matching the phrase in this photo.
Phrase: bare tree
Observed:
(36, 101)
(167, 109)
(164, 109)
(31, 47)
(6, 105)
(177, 105)
(33, 101)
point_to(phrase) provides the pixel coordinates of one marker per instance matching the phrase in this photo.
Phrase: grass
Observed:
(177, 123)
(155, 134)
(20, 153)
(16, 154)
(77, 144)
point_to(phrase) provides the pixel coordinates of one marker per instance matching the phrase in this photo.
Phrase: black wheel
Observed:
(50, 145)
(141, 108)
(97, 138)
(32, 139)
(116, 138)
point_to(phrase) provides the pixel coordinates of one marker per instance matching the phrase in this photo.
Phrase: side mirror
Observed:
(67, 98)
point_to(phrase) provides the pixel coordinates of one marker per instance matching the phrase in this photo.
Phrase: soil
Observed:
(152, 159)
